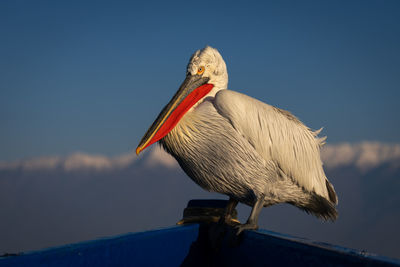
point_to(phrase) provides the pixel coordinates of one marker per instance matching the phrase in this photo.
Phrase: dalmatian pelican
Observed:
(233, 144)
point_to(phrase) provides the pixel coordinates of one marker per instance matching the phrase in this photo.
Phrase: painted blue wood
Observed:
(164, 247)
(189, 246)
(261, 248)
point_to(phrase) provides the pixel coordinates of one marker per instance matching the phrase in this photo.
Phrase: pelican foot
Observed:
(227, 220)
(247, 226)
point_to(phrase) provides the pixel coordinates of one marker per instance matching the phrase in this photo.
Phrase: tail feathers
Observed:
(331, 192)
(321, 208)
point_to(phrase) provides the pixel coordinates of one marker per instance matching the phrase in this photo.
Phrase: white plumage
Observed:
(277, 136)
(233, 144)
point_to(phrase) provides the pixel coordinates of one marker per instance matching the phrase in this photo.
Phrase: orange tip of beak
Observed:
(138, 150)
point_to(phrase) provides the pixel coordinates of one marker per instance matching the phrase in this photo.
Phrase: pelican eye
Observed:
(200, 70)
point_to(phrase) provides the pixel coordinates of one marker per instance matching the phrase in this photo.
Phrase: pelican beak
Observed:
(193, 88)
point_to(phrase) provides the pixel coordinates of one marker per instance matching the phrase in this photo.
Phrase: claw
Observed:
(248, 226)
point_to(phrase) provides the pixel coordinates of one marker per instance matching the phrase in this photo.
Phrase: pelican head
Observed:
(214, 66)
(206, 75)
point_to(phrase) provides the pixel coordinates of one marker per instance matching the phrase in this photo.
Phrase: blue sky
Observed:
(92, 75)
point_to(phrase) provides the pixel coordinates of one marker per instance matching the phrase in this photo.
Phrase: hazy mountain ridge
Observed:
(365, 155)
(83, 161)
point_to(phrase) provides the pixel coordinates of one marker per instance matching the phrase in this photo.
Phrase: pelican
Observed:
(233, 144)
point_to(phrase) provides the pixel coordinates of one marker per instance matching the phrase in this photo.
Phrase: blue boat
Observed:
(188, 244)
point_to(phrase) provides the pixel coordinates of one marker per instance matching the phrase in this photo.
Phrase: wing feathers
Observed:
(279, 136)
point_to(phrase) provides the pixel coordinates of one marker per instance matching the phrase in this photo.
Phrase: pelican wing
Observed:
(279, 136)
